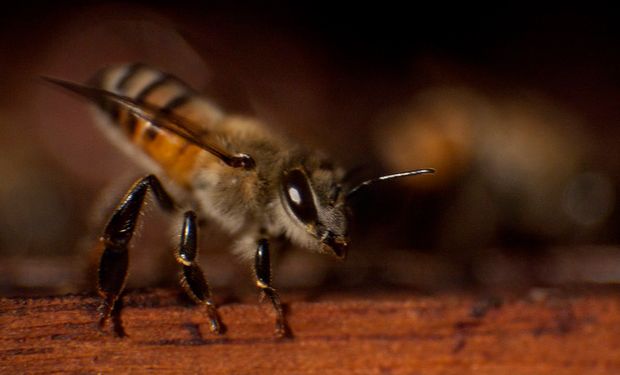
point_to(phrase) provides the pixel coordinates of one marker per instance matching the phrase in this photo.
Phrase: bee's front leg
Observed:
(262, 271)
(192, 277)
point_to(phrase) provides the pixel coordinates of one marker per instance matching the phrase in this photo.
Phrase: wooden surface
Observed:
(539, 332)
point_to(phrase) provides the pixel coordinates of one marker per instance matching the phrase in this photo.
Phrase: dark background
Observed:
(515, 106)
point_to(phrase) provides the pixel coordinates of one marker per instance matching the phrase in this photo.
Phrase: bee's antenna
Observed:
(415, 172)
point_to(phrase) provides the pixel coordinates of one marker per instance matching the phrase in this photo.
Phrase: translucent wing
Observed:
(164, 120)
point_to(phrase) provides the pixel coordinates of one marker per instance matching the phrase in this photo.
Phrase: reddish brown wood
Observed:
(398, 333)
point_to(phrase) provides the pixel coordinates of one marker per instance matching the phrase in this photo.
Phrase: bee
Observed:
(228, 169)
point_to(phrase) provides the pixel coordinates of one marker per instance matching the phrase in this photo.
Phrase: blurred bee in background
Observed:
(228, 169)
(520, 180)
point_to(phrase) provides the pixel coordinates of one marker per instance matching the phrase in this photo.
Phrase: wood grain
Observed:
(562, 332)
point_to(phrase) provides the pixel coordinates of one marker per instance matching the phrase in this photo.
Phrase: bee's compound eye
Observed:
(299, 196)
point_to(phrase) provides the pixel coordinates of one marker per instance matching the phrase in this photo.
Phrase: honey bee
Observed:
(228, 169)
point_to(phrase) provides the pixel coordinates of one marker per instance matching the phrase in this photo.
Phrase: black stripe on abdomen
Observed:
(147, 90)
(113, 110)
(121, 84)
(176, 102)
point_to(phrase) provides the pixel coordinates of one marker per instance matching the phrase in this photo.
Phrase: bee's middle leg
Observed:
(262, 271)
(192, 277)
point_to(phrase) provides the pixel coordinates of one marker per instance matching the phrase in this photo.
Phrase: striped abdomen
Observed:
(143, 84)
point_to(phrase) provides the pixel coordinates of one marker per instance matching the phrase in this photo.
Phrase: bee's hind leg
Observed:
(114, 260)
(192, 277)
(118, 232)
(262, 271)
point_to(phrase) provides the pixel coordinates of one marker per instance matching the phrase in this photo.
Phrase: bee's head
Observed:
(316, 203)
(314, 198)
